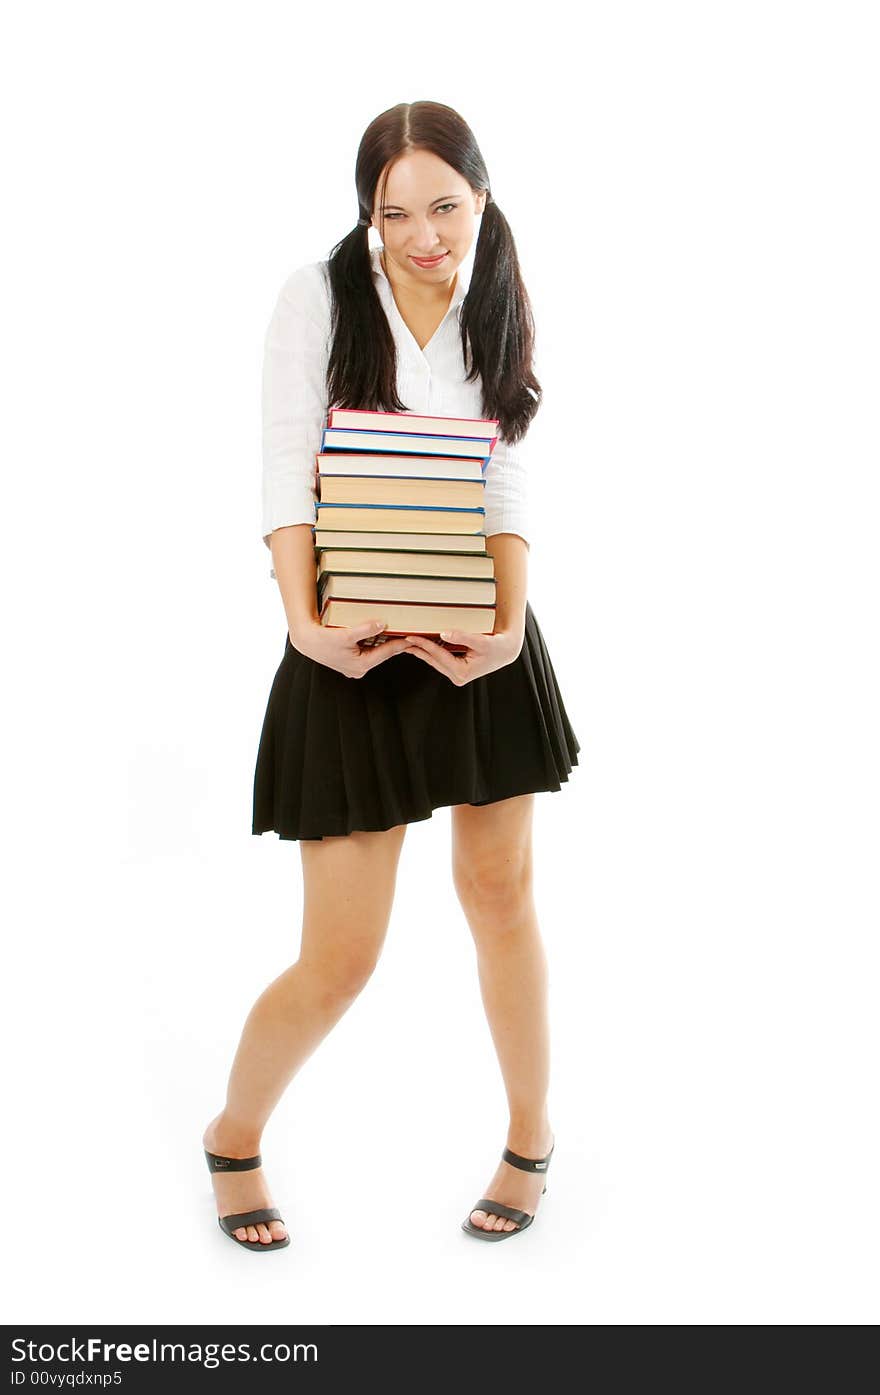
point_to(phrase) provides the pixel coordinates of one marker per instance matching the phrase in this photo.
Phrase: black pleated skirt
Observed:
(339, 754)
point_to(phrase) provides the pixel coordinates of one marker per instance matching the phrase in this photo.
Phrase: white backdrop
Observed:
(693, 192)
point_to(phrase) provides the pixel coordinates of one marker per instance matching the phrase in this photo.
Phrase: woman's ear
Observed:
(480, 202)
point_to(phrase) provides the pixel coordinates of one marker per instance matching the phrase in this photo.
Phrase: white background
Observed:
(693, 191)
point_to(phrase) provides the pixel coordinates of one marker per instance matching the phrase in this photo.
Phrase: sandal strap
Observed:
(217, 1163)
(240, 1218)
(527, 1164)
(497, 1208)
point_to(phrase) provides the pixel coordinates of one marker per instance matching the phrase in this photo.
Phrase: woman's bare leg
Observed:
(492, 871)
(348, 894)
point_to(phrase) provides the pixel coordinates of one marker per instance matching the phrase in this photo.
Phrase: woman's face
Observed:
(430, 210)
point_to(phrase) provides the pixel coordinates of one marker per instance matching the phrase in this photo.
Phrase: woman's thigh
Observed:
(492, 849)
(348, 893)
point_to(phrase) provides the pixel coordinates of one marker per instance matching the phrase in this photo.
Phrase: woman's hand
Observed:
(485, 653)
(338, 646)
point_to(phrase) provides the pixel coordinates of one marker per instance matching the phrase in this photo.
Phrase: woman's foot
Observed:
(513, 1186)
(240, 1191)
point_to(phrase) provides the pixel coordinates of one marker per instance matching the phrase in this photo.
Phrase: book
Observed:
(461, 544)
(412, 619)
(401, 443)
(353, 419)
(373, 562)
(426, 590)
(396, 466)
(401, 519)
(412, 493)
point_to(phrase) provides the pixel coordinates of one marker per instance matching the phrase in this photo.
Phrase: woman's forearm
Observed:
(511, 554)
(294, 563)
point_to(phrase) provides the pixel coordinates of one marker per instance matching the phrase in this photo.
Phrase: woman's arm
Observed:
(507, 529)
(511, 554)
(294, 407)
(293, 562)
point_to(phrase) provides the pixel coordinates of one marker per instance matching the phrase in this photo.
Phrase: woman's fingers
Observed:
(386, 650)
(427, 658)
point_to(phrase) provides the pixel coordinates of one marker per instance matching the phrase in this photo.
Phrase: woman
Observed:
(358, 741)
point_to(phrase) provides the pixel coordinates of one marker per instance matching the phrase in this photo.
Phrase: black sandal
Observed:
(229, 1224)
(523, 1218)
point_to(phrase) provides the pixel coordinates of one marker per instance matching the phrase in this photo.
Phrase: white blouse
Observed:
(430, 381)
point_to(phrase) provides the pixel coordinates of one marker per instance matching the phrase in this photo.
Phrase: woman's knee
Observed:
(492, 860)
(348, 896)
(340, 971)
(496, 887)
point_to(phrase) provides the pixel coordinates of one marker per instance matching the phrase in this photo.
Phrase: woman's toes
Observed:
(277, 1230)
(487, 1220)
(263, 1234)
(252, 1233)
(241, 1233)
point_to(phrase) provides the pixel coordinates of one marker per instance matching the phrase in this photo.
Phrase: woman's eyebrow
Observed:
(442, 198)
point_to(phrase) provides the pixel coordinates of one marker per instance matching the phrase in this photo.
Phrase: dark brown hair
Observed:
(497, 327)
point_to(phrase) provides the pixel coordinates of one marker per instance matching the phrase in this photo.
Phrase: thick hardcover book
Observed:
(366, 517)
(462, 544)
(352, 419)
(424, 590)
(396, 466)
(391, 442)
(388, 563)
(425, 494)
(407, 619)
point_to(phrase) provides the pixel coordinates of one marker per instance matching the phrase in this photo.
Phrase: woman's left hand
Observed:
(485, 653)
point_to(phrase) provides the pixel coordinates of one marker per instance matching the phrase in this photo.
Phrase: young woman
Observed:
(357, 742)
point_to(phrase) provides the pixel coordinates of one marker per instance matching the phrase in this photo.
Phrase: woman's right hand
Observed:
(338, 647)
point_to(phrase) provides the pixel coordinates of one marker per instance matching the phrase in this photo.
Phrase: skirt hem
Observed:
(360, 825)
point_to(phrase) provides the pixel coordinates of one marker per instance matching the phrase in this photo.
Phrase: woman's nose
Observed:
(427, 242)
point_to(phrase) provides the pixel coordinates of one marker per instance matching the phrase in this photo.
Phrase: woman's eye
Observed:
(403, 215)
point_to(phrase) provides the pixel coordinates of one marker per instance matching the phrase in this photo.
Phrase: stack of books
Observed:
(400, 528)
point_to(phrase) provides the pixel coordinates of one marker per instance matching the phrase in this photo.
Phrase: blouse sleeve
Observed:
(506, 498)
(294, 406)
